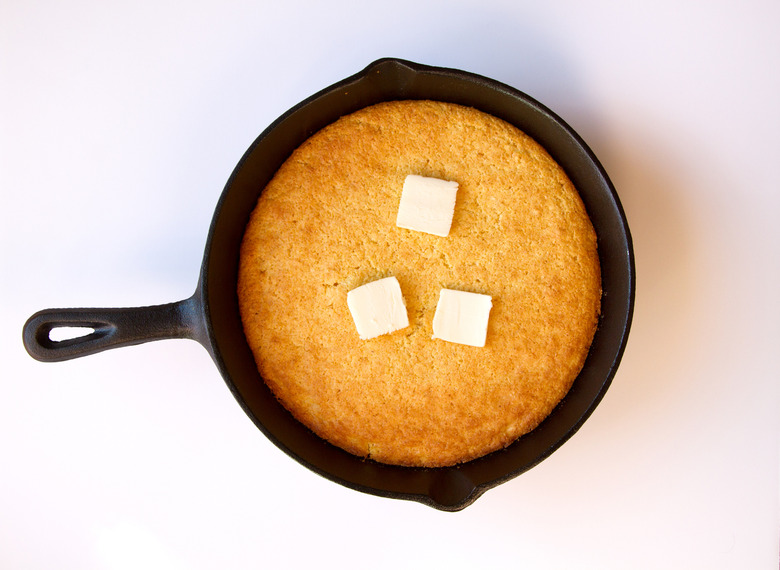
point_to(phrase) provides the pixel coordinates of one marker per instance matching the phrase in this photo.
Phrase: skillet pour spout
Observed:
(211, 316)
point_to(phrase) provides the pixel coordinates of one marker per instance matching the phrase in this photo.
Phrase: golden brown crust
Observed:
(326, 224)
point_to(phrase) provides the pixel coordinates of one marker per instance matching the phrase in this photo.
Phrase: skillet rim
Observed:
(444, 488)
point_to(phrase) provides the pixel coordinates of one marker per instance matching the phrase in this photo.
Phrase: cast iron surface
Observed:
(211, 315)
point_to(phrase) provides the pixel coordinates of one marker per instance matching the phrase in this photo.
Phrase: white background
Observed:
(120, 124)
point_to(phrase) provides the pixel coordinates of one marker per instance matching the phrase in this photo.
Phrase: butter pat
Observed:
(427, 205)
(462, 317)
(378, 308)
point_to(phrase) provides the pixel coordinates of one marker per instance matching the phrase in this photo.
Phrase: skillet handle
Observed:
(109, 328)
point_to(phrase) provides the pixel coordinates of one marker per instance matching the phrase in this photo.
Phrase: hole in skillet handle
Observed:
(61, 334)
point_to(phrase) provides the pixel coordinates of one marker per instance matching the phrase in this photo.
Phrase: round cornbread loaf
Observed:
(326, 223)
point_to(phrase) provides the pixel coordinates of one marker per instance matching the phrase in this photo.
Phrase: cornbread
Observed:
(326, 224)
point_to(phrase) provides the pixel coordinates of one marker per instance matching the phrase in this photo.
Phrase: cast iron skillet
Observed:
(211, 315)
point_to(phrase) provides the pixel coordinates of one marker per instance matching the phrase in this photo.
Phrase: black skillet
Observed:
(211, 315)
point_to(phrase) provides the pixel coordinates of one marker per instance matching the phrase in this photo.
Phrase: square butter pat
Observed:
(427, 205)
(378, 308)
(462, 317)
